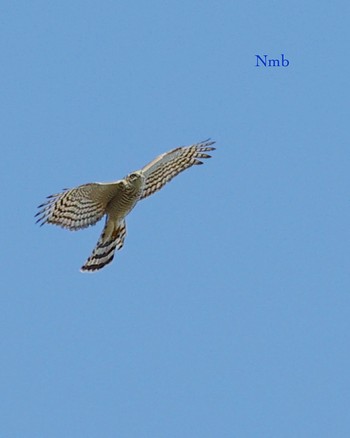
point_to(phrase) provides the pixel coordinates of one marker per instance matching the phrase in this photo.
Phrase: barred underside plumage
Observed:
(85, 205)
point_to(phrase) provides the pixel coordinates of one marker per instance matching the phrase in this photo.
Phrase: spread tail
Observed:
(111, 239)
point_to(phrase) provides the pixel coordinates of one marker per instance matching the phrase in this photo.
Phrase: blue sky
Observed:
(226, 314)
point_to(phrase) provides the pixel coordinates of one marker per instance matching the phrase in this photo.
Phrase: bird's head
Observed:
(136, 179)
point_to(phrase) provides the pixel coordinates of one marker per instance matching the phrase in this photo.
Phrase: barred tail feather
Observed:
(112, 239)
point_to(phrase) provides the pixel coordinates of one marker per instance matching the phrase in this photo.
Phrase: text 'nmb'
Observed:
(264, 61)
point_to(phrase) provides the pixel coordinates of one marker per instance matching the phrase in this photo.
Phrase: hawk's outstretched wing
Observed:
(166, 166)
(79, 207)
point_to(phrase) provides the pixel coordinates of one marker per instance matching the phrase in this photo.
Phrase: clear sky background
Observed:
(227, 313)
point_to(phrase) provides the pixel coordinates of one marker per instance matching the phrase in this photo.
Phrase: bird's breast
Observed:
(121, 205)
